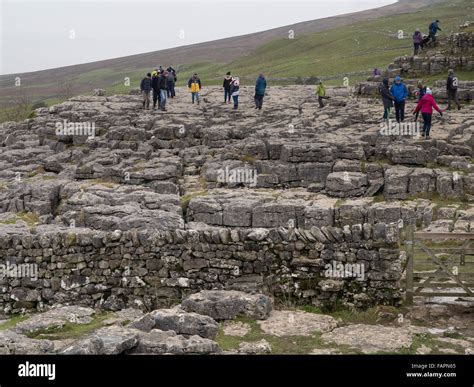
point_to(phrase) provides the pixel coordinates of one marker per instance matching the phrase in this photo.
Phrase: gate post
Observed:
(410, 241)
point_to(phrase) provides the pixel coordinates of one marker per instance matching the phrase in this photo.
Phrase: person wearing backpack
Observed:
(260, 87)
(145, 87)
(417, 41)
(400, 93)
(452, 89)
(387, 99)
(226, 85)
(426, 105)
(235, 92)
(434, 28)
(194, 85)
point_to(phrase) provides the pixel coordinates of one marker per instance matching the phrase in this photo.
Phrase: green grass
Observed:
(104, 183)
(435, 198)
(13, 321)
(185, 199)
(306, 344)
(70, 330)
(30, 218)
(338, 52)
(280, 345)
(431, 342)
(352, 51)
(420, 257)
(369, 316)
(461, 74)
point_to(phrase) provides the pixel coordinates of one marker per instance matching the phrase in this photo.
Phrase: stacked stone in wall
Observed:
(114, 270)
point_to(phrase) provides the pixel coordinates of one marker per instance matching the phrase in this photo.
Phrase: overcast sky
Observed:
(36, 35)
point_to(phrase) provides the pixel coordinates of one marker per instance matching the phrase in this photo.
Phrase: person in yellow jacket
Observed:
(321, 93)
(195, 87)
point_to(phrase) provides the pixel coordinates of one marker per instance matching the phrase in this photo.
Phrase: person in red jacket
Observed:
(426, 105)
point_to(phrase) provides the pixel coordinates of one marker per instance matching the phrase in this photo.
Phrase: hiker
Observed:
(321, 93)
(376, 72)
(156, 88)
(145, 87)
(387, 98)
(426, 105)
(452, 89)
(171, 80)
(421, 90)
(226, 85)
(260, 87)
(163, 85)
(234, 92)
(417, 41)
(434, 28)
(400, 93)
(194, 85)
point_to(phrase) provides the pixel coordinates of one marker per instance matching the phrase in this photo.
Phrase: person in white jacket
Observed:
(235, 91)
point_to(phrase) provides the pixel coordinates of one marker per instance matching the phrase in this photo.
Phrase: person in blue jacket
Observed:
(434, 28)
(400, 94)
(260, 87)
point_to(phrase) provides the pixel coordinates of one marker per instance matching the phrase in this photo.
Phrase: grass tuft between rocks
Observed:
(71, 330)
(296, 345)
(11, 322)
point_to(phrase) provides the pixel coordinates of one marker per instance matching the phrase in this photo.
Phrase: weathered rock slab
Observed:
(228, 304)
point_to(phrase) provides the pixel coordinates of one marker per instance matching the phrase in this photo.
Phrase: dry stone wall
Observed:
(358, 265)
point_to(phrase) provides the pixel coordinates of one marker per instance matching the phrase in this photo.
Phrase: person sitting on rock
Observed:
(235, 92)
(226, 85)
(387, 99)
(194, 85)
(426, 105)
(417, 41)
(452, 89)
(400, 93)
(145, 87)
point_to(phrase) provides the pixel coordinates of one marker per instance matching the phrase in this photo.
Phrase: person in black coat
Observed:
(156, 89)
(452, 89)
(171, 82)
(145, 87)
(226, 85)
(387, 98)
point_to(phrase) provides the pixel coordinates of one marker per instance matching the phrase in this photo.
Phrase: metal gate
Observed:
(439, 264)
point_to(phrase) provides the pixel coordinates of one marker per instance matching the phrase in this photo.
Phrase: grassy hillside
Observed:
(345, 50)
(351, 50)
